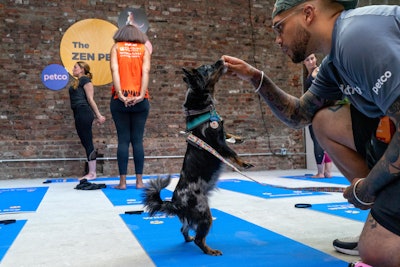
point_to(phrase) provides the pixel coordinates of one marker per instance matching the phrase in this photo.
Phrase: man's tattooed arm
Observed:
(294, 112)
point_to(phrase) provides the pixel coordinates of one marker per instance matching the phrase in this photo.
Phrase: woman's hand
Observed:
(123, 98)
(100, 119)
(134, 100)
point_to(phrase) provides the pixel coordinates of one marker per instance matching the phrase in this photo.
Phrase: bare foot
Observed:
(120, 187)
(327, 175)
(318, 176)
(139, 185)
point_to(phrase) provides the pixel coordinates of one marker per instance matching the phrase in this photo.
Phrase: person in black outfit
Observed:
(324, 163)
(85, 111)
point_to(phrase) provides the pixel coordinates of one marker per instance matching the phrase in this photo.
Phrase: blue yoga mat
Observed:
(333, 180)
(130, 196)
(128, 178)
(264, 191)
(342, 209)
(242, 244)
(14, 200)
(8, 233)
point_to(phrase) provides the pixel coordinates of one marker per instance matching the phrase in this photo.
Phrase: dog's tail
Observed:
(152, 199)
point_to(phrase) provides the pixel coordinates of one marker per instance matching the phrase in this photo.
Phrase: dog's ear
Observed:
(187, 74)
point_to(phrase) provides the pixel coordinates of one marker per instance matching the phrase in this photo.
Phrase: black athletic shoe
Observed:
(347, 245)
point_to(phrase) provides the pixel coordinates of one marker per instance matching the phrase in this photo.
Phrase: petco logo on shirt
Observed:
(55, 77)
(381, 81)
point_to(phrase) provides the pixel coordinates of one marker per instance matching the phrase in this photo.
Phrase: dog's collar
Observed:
(189, 112)
(208, 116)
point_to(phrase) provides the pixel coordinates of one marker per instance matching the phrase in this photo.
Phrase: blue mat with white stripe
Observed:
(263, 191)
(130, 196)
(342, 209)
(101, 179)
(16, 200)
(242, 244)
(333, 180)
(8, 233)
(133, 196)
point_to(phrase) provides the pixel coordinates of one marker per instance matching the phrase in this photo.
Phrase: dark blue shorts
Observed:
(386, 210)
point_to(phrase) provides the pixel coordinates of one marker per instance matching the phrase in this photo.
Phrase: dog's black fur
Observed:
(201, 169)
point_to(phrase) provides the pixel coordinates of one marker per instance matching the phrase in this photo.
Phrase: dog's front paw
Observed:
(247, 165)
(233, 139)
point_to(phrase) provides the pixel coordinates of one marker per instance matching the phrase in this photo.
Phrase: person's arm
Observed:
(115, 73)
(145, 78)
(385, 171)
(89, 91)
(294, 112)
(145, 73)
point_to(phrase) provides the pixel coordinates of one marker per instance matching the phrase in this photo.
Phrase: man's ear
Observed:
(309, 13)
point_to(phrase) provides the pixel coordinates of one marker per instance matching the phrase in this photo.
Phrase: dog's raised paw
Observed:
(247, 165)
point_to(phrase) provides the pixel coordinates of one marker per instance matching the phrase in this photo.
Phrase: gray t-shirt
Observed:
(364, 63)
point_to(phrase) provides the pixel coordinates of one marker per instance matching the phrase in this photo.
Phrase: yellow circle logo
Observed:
(89, 40)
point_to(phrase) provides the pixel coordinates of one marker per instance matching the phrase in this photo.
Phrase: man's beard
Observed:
(300, 46)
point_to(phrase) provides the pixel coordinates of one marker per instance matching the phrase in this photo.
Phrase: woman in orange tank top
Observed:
(129, 105)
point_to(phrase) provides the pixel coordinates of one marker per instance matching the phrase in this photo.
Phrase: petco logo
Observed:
(55, 77)
(381, 81)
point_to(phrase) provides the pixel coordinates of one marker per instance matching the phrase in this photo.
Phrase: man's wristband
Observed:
(359, 200)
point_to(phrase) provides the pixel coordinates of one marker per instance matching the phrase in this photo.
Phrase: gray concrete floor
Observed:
(82, 228)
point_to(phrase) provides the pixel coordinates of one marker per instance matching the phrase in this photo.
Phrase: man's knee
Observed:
(333, 124)
(322, 123)
(378, 246)
(318, 121)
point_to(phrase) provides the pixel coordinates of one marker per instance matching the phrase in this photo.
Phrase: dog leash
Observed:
(200, 143)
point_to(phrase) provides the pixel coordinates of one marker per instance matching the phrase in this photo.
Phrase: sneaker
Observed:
(358, 264)
(347, 245)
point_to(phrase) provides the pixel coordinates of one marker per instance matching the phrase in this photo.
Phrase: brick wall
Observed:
(38, 138)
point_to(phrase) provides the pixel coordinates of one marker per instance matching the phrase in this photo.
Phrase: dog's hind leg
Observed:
(202, 230)
(185, 231)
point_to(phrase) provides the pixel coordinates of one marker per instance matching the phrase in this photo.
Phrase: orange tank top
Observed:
(130, 60)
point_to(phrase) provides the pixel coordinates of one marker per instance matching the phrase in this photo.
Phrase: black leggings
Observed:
(130, 123)
(319, 152)
(83, 123)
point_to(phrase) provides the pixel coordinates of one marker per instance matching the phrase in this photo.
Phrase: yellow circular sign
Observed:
(89, 40)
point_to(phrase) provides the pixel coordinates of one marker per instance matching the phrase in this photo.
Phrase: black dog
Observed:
(201, 169)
